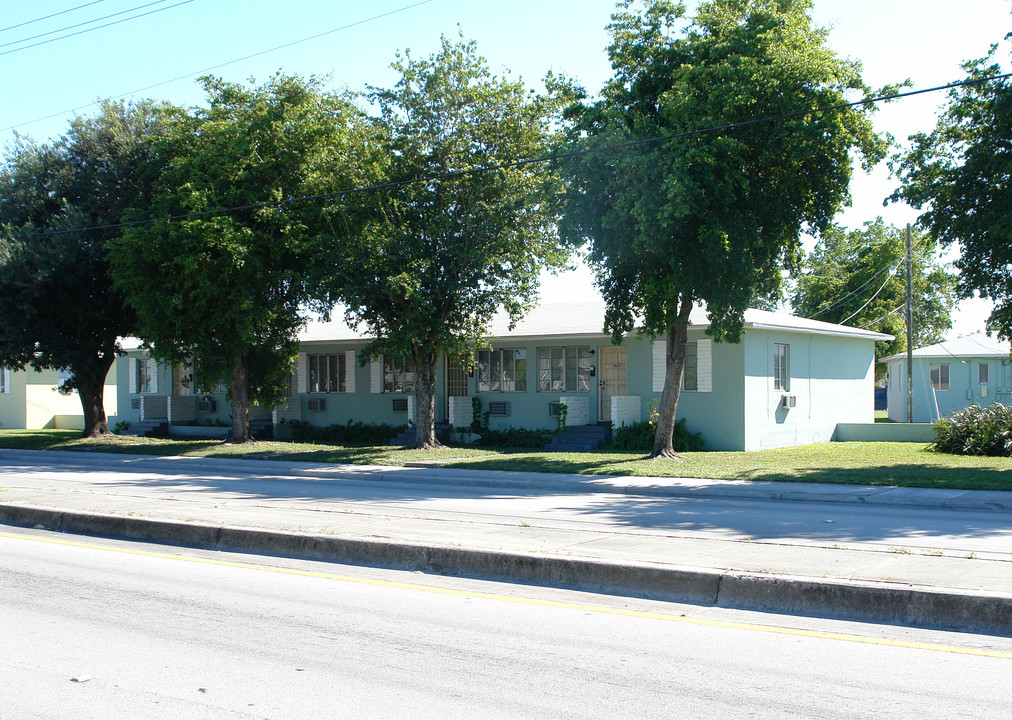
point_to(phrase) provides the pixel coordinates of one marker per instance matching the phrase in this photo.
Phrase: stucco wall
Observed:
(832, 379)
(34, 402)
(12, 404)
(964, 387)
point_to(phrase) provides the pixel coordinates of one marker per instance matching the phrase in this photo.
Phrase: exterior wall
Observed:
(964, 388)
(35, 402)
(184, 405)
(832, 379)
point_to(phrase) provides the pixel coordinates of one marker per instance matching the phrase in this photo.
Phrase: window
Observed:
(690, 373)
(564, 369)
(939, 376)
(328, 373)
(502, 370)
(143, 376)
(782, 367)
(5, 380)
(398, 376)
(982, 373)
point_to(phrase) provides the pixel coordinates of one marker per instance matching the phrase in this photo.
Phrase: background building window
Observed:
(782, 367)
(327, 373)
(690, 373)
(564, 369)
(502, 370)
(398, 376)
(143, 376)
(939, 376)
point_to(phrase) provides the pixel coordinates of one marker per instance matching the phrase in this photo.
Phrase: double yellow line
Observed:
(843, 637)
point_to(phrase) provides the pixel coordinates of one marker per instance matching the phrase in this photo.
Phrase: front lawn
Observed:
(873, 463)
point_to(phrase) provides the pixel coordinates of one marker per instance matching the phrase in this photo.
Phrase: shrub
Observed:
(976, 431)
(358, 433)
(639, 437)
(515, 437)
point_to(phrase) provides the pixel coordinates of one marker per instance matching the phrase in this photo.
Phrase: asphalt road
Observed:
(150, 632)
(957, 532)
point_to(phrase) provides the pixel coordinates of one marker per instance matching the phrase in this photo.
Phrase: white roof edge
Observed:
(843, 332)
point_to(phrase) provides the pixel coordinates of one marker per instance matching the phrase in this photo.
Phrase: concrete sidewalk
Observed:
(819, 577)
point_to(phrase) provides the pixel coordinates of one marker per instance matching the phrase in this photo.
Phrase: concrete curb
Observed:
(870, 602)
(970, 500)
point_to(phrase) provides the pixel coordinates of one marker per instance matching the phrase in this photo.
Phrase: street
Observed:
(154, 632)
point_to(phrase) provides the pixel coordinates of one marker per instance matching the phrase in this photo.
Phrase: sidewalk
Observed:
(294, 509)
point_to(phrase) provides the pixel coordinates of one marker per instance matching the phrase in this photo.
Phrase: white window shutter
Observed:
(349, 371)
(376, 376)
(7, 380)
(704, 370)
(301, 379)
(660, 351)
(153, 372)
(132, 372)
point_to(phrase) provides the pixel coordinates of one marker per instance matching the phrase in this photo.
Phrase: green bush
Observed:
(976, 431)
(639, 437)
(358, 433)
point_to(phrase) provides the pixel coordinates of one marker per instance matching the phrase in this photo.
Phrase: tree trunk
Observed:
(240, 402)
(673, 365)
(90, 384)
(425, 401)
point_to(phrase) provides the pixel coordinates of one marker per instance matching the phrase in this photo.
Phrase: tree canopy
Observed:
(60, 205)
(703, 200)
(227, 283)
(464, 231)
(960, 175)
(858, 278)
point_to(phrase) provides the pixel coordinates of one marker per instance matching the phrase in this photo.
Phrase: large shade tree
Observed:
(713, 210)
(223, 279)
(960, 175)
(464, 233)
(60, 207)
(858, 278)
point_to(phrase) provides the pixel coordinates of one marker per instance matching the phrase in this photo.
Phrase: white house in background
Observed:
(32, 399)
(790, 381)
(949, 376)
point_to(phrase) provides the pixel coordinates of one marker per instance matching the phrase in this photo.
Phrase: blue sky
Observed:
(895, 39)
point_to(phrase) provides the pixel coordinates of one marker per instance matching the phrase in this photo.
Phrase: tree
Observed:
(454, 241)
(686, 209)
(59, 208)
(959, 174)
(858, 278)
(226, 284)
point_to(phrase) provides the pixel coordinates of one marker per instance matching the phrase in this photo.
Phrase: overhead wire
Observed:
(842, 300)
(221, 65)
(81, 24)
(529, 161)
(893, 270)
(99, 27)
(47, 17)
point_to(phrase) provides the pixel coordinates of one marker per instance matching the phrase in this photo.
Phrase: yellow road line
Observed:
(934, 647)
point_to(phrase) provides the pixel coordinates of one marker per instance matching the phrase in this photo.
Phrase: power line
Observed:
(47, 17)
(99, 27)
(531, 161)
(890, 277)
(221, 65)
(840, 301)
(80, 24)
(880, 319)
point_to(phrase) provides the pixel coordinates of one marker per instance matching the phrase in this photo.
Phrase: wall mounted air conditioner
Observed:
(317, 404)
(498, 408)
(206, 404)
(553, 409)
(135, 403)
(400, 405)
(788, 401)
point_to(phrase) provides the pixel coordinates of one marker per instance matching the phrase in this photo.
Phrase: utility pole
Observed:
(910, 333)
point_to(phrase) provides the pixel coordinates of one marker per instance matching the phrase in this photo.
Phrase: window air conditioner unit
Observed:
(317, 404)
(206, 404)
(553, 409)
(135, 403)
(400, 405)
(788, 401)
(498, 408)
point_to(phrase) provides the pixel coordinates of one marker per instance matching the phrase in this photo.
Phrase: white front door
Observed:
(611, 372)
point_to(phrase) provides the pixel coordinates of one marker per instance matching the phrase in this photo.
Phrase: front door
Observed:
(456, 383)
(611, 371)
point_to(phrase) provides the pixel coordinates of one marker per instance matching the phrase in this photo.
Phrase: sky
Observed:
(146, 43)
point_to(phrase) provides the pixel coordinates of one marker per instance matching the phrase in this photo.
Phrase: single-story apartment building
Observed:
(789, 381)
(949, 376)
(32, 399)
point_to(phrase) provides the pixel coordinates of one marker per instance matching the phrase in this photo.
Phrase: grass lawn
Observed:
(874, 463)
